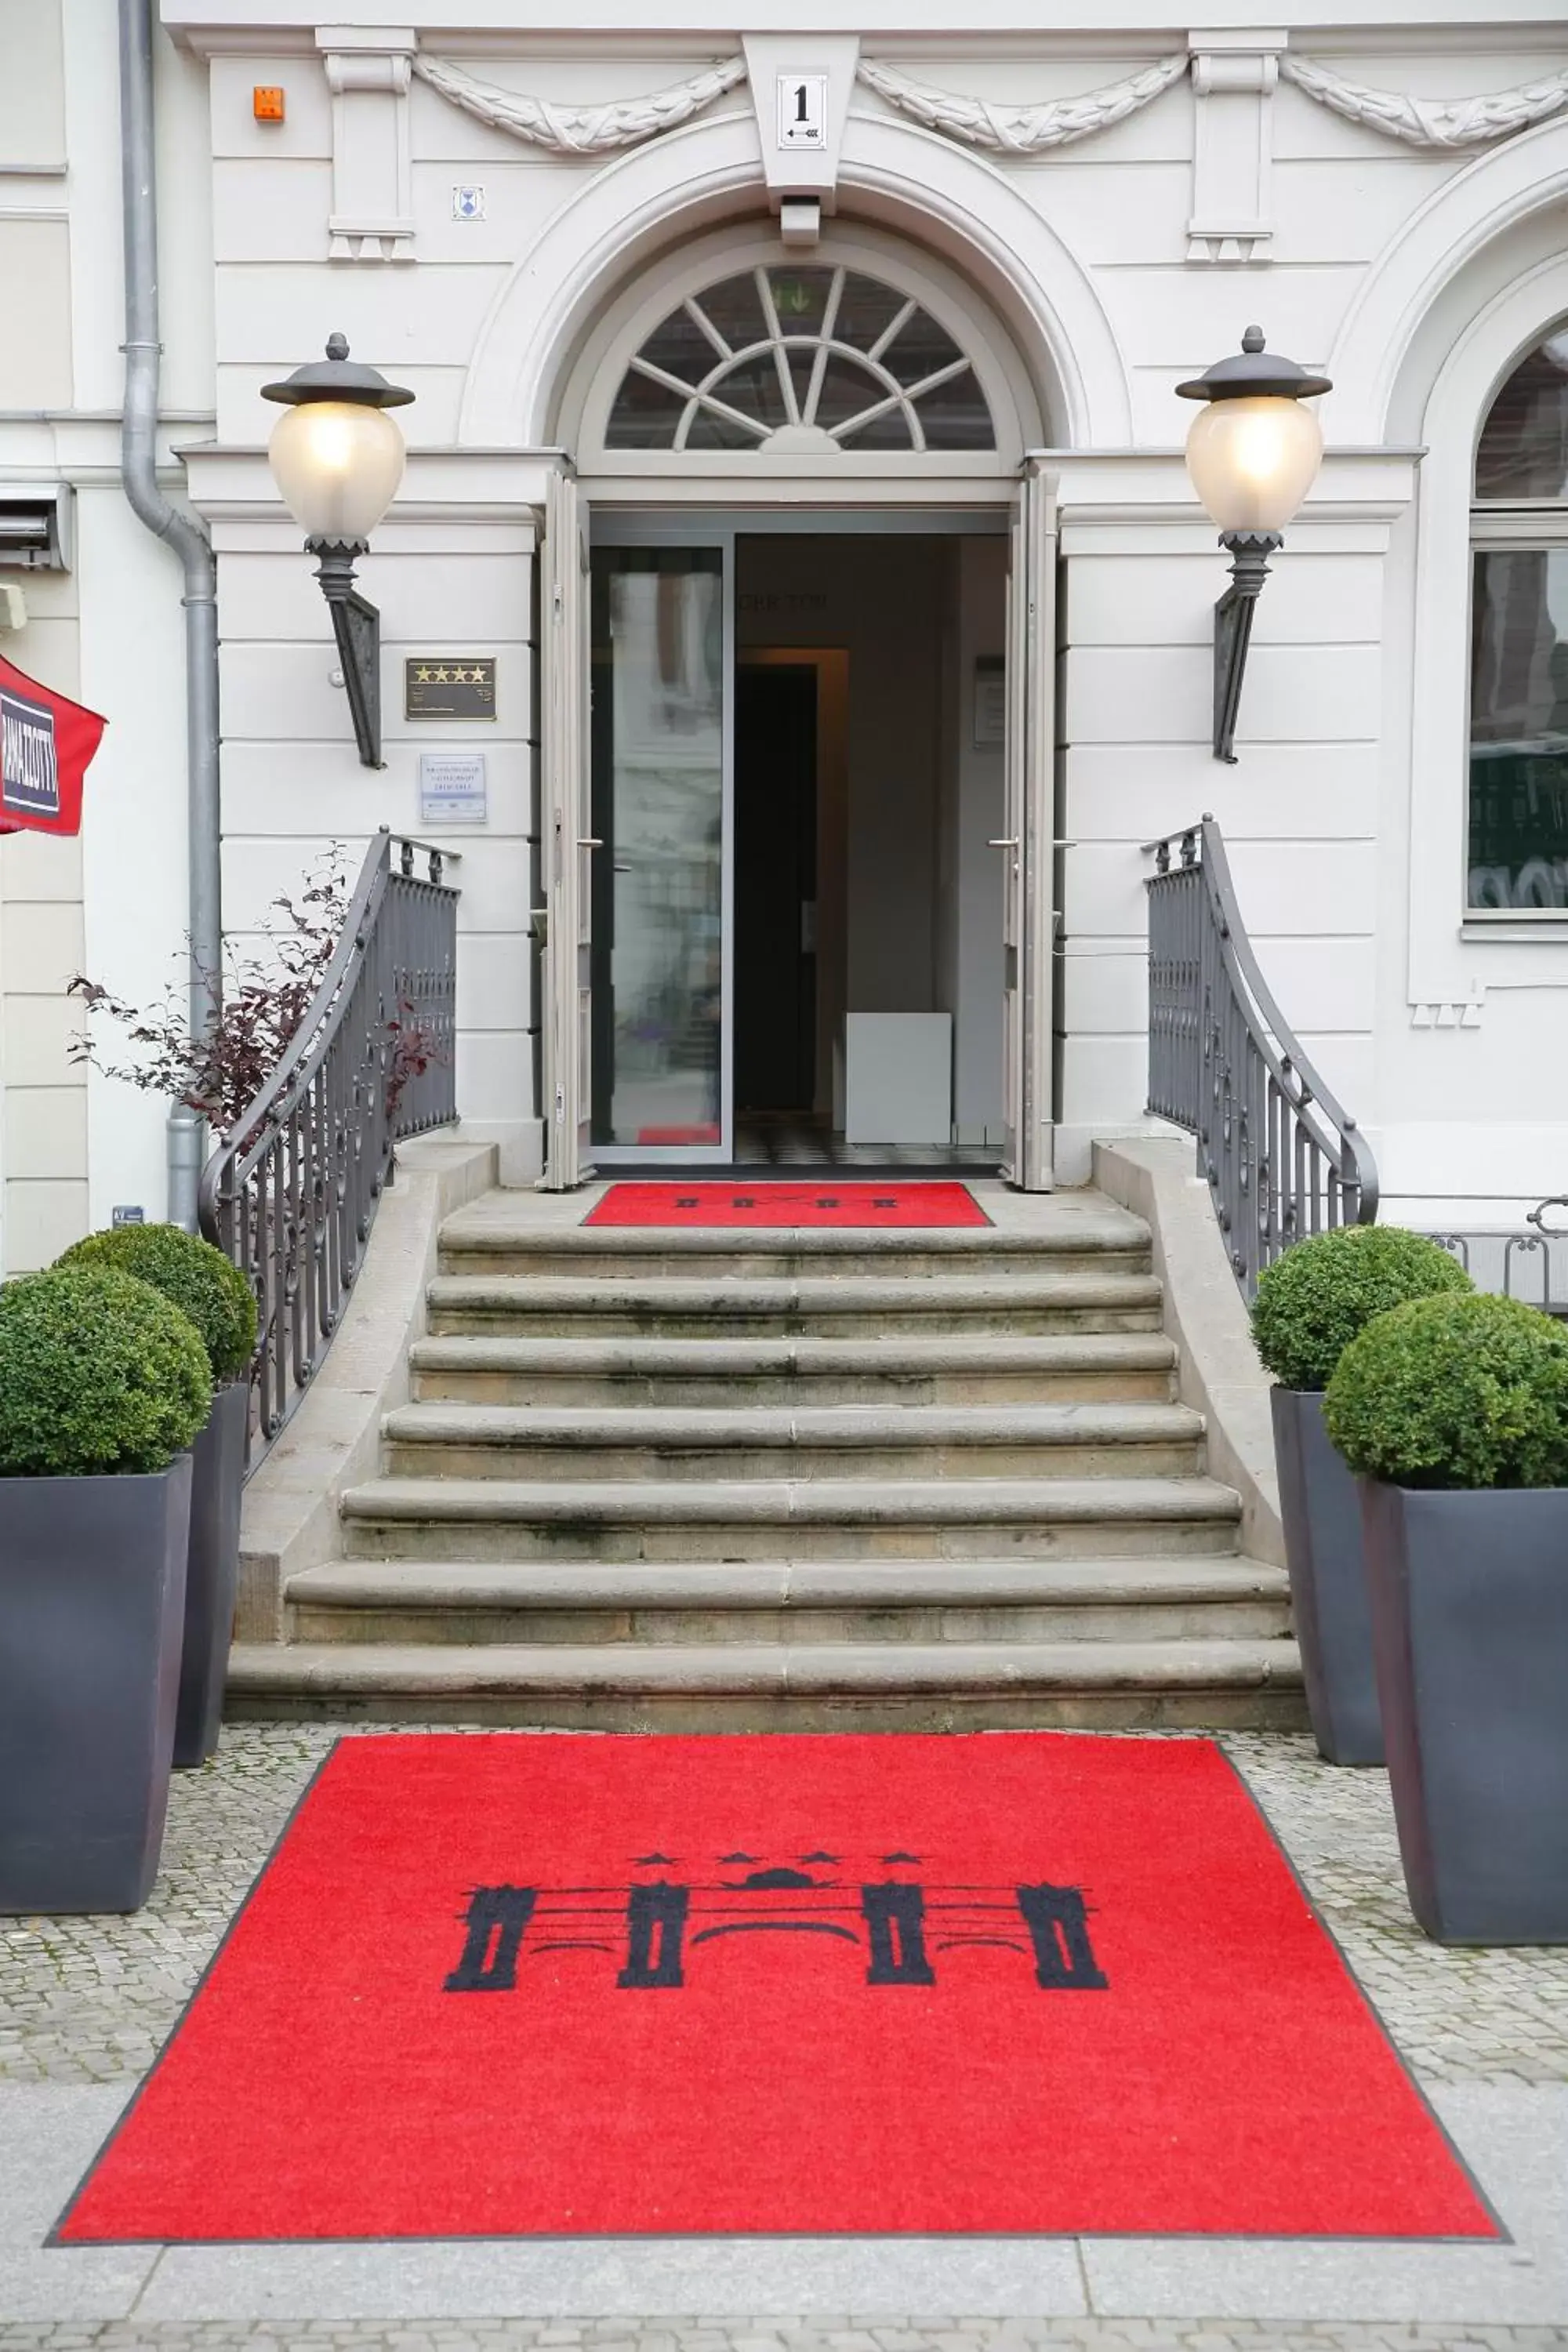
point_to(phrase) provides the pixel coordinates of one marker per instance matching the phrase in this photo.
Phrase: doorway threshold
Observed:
(867, 1170)
(778, 1149)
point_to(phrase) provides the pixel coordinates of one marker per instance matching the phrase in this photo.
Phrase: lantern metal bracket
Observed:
(356, 624)
(1249, 551)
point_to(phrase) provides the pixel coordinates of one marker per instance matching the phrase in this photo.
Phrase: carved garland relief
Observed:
(983, 123)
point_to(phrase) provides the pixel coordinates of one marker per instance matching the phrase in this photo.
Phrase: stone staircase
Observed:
(810, 1480)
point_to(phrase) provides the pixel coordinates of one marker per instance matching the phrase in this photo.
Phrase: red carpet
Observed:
(766, 1203)
(499, 1985)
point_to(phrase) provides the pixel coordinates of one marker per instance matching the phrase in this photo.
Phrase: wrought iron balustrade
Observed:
(1514, 1263)
(290, 1195)
(1281, 1159)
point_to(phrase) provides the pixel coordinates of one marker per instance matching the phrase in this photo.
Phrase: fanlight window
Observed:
(810, 361)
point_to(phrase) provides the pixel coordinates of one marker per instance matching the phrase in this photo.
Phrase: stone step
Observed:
(485, 1244)
(902, 1685)
(826, 1308)
(899, 1369)
(915, 1441)
(442, 1601)
(829, 1519)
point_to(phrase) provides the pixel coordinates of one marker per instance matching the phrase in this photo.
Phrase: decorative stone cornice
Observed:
(1020, 130)
(1426, 121)
(581, 130)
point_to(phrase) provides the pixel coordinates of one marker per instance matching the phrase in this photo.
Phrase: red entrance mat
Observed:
(767, 1203)
(496, 1985)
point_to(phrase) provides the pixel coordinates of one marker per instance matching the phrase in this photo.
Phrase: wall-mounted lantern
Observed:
(338, 457)
(1253, 454)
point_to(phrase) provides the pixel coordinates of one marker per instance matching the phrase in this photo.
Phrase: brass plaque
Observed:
(448, 686)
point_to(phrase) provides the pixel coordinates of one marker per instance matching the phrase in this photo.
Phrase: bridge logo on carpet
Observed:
(496, 1985)
(890, 1923)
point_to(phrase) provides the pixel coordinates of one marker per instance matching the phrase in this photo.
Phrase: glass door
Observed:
(1028, 898)
(660, 736)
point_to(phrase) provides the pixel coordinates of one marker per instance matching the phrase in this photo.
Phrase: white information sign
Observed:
(452, 789)
(803, 111)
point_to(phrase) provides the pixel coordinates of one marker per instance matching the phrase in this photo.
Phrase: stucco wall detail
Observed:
(581, 130)
(1428, 122)
(1020, 130)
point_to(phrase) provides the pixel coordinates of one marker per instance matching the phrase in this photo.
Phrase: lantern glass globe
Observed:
(1253, 460)
(338, 464)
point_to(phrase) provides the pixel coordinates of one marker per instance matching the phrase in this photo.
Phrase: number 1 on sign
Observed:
(803, 110)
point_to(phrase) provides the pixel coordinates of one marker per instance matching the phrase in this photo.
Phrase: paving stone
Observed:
(1086, 2335)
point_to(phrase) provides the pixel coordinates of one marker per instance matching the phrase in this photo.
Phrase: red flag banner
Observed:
(45, 745)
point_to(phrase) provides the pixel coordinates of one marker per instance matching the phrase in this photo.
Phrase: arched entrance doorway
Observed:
(797, 650)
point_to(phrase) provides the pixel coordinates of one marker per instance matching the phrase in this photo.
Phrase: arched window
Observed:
(811, 360)
(1518, 862)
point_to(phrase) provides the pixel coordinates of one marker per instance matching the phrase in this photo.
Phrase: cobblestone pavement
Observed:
(85, 2000)
(770, 2335)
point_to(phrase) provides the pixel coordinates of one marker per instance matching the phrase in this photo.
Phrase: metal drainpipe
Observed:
(138, 470)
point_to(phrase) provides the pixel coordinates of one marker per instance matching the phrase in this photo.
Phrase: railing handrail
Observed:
(1282, 1156)
(308, 1048)
(290, 1193)
(1271, 1033)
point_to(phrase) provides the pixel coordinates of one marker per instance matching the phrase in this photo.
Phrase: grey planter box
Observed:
(93, 1595)
(212, 1574)
(1470, 1616)
(1320, 1512)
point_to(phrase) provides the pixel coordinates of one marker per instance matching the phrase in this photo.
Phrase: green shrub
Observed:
(1312, 1301)
(98, 1372)
(200, 1280)
(1454, 1392)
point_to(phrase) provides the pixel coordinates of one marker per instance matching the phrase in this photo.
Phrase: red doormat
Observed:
(496, 1985)
(767, 1203)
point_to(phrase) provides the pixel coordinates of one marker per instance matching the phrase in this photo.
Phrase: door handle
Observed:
(1009, 842)
(591, 843)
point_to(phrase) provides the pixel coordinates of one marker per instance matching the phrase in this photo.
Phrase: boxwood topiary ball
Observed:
(200, 1280)
(98, 1372)
(1312, 1301)
(1458, 1392)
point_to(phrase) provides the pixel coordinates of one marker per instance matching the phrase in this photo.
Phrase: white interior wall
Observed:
(880, 599)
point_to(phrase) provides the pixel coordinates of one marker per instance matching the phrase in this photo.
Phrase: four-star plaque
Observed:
(449, 686)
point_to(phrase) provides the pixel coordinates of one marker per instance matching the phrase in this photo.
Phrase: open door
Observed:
(1026, 847)
(565, 843)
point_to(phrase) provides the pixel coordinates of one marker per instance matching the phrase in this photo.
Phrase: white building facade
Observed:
(794, 431)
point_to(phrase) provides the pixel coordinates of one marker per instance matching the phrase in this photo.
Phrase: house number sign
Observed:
(803, 111)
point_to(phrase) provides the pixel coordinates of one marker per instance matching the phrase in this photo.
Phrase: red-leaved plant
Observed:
(219, 1071)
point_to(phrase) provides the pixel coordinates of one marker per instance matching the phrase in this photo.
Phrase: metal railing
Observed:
(291, 1195)
(1281, 1159)
(1514, 1264)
